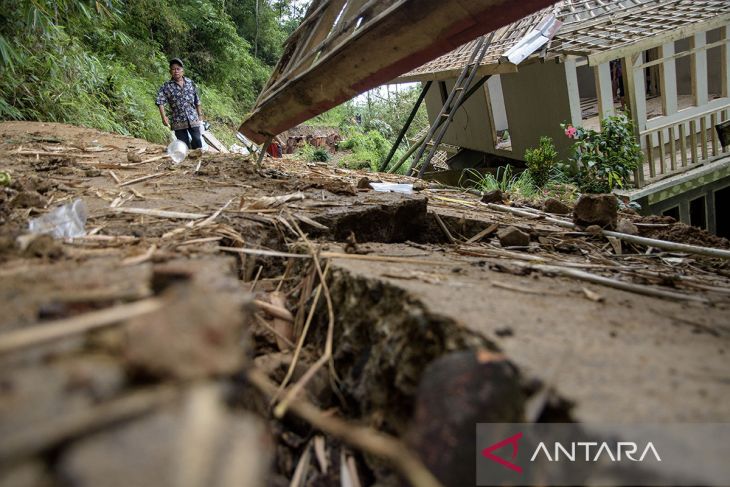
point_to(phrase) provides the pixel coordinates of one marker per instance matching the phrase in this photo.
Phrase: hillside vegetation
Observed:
(99, 63)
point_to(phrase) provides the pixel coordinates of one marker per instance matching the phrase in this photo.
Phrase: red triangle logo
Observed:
(512, 440)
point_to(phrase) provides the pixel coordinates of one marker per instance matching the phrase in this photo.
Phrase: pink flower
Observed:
(571, 132)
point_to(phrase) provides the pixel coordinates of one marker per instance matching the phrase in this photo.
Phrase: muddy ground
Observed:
(122, 352)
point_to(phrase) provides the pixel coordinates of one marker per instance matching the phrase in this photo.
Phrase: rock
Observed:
(556, 207)
(196, 334)
(28, 199)
(196, 443)
(363, 183)
(594, 230)
(133, 157)
(92, 173)
(458, 391)
(596, 209)
(495, 196)
(419, 185)
(626, 226)
(513, 237)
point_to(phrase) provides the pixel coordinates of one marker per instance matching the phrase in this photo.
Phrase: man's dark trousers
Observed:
(182, 134)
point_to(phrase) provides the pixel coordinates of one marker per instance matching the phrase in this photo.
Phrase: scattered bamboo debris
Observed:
(46, 332)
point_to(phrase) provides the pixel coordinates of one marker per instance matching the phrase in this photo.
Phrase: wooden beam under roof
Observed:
(345, 48)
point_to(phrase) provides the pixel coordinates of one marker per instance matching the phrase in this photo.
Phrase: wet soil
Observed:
(416, 282)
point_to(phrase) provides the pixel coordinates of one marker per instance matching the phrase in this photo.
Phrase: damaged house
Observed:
(556, 66)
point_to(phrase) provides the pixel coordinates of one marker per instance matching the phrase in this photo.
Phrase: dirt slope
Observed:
(120, 349)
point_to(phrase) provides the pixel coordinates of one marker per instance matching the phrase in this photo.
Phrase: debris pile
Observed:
(218, 325)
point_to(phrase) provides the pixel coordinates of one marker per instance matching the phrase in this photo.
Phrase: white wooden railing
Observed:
(681, 143)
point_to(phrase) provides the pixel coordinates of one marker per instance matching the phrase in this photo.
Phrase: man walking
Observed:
(182, 97)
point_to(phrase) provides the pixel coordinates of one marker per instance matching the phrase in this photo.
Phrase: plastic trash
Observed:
(392, 187)
(67, 221)
(177, 150)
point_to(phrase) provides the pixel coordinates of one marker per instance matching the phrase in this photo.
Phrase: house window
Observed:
(722, 219)
(698, 212)
(673, 212)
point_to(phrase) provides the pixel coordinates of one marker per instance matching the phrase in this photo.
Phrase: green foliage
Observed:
(313, 154)
(369, 149)
(505, 180)
(100, 63)
(541, 161)
(604, 160)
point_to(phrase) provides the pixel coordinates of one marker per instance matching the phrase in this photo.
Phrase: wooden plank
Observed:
(725, 60)
(571, 75)
(699, 69)
(650, 155)
(213, 141)
(672, 149)
(660, 137)
(602, 74)
(703, 137)
(409, 33)
(713, 134)
(693, 140)
(636, 91)
(668, 80)
(683, 144)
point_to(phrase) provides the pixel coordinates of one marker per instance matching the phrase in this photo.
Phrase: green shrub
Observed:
(521, 184)
(604, 160)
(313, 154)
(369, 149)
(541, 161)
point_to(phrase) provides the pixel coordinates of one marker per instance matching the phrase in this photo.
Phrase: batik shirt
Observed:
(182, 101)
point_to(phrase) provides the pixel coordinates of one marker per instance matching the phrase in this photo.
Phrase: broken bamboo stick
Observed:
(365, 439)
(275, 311)
(160, 213)
(45, 332)
(616, 284)
(649, 242)
(143, 178)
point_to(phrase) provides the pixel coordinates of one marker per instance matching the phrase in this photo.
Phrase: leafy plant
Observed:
(369, 149)
(313, 154)
(541, 161)
(604, 160)
(521, 184)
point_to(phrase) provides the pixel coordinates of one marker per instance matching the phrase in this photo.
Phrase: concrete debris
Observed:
(596, 209)
(556, 207)
(495, 196)
(513, 237)
(627, 226)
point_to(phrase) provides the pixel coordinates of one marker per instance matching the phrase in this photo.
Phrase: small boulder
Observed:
(363, 183)
(596, 209)
(626, 226)
(495, 196)
(513, 237)
(556, 207)
(133, 157)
